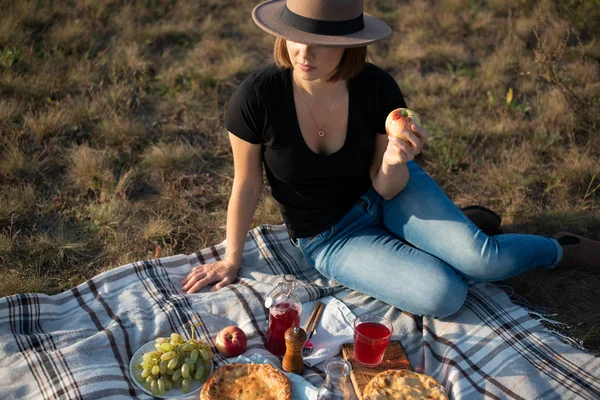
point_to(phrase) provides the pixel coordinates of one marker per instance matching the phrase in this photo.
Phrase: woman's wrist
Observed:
(391, 168)
(233, 260)
(391, 179)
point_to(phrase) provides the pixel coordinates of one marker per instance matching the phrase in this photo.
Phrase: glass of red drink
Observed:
(372, 335)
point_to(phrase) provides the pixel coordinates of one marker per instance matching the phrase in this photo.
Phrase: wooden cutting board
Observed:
(394, 358)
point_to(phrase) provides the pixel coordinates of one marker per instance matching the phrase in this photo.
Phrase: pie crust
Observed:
(247, 382)
(403, 384)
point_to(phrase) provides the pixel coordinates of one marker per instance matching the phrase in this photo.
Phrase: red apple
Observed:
(399, 120)
(231, 341)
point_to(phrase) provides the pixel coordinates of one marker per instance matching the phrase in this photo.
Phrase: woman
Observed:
(362, 212)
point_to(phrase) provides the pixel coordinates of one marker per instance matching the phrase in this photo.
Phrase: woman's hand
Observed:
(400, 151)
(222, 272)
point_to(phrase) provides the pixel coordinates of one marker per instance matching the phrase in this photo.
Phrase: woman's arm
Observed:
(247, 185)
(389, 174)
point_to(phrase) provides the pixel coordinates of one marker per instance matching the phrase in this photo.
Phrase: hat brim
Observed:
(267, 16)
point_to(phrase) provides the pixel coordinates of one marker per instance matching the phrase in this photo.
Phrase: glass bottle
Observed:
(285, 309)
(335, 385)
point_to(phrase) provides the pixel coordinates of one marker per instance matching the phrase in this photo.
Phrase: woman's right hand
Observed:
(221, 272)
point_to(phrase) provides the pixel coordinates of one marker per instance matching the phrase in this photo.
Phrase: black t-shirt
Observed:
(313, 191)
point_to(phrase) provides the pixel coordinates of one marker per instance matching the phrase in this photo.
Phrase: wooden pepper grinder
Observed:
(295, 337)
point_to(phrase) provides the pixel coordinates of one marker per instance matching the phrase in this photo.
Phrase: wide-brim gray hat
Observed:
(336, 23)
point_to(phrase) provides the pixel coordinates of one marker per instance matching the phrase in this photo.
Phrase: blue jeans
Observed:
(418, 251)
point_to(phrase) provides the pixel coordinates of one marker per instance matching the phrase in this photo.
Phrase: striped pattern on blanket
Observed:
(77, 344)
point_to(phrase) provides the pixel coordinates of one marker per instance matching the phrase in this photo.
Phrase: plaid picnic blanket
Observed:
(78, 344)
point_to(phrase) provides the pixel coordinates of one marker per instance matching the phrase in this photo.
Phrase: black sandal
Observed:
(484, 218)
(579, 252)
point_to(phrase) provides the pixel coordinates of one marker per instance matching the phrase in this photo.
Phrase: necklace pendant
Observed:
(321, 133)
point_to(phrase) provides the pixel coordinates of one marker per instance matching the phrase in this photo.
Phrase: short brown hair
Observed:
(352, 62)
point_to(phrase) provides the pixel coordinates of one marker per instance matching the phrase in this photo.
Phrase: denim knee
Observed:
(443, 296)
(441, 305)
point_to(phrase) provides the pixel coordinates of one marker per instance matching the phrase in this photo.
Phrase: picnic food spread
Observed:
(247, 382)
(171, 363)
(403, 385)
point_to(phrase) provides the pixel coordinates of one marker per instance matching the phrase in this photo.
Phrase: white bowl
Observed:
(172, 393)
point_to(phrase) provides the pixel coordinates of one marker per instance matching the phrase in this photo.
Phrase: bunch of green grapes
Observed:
(174, 363)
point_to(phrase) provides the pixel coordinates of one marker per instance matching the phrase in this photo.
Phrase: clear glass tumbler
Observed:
(335, 386)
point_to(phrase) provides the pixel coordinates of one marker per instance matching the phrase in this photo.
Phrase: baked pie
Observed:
(403, 384)
(247, 382)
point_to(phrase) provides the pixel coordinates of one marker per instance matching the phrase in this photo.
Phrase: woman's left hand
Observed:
(401, 151)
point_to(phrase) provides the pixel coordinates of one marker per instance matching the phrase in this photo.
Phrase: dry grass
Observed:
(113, 149)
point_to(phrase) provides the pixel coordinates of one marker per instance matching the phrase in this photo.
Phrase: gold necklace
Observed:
(320, 131)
